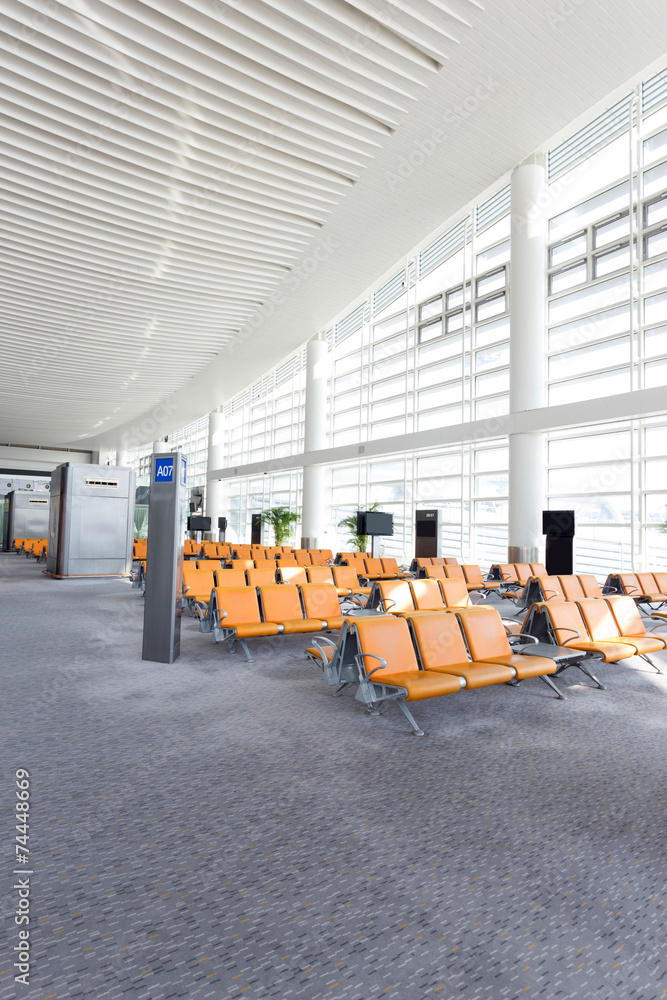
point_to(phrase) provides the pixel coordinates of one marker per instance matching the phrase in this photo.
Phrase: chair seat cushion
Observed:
(296, 625)
(421, 684)
(491, 584)
(611, 651)
(642, 643)
(317, 653)
(479, 674)
(247, 630)
(526, 666)
(335, 622)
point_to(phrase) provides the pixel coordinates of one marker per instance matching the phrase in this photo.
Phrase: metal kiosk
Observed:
(164, 558)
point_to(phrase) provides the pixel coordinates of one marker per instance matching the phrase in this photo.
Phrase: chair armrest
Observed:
(360, 661)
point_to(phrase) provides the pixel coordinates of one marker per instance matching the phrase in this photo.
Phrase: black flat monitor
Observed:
(558, 523)
(374, 522)
(199, 523)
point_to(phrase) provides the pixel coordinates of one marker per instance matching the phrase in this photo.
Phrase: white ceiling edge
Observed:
(310, 307)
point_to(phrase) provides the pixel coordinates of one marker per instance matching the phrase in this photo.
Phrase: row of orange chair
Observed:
(374, 569)
(37, 547)
(645, 588)
(237, 614)
(516, 574)
(418, 563)
(200, 579)
(611, 627)
(469, 573)
(558, 588)
(420, 656)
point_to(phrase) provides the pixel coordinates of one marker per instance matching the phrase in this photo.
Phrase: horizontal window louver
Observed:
(598, 132)
(390, 290)
(240, 401)
(493, 208)
(441, 248)
(654, 90)
(348, 325)
(329, 337)
(287, 370)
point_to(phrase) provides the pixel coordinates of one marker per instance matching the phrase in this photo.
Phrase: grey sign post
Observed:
(164, 558)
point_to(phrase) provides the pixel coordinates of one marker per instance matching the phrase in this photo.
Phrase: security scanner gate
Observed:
(26, 515)
(91, 523)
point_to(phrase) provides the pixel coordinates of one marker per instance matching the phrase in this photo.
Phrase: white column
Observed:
(527, 360)
(313, 516)
(159, 447)
(122, 457)
(215, 489)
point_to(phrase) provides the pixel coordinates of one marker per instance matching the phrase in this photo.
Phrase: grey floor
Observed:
(221, 829)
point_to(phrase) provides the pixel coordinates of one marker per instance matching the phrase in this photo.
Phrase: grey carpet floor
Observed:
(221, 829)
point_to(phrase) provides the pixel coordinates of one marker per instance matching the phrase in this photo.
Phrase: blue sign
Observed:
(164, 470)
(184, 466)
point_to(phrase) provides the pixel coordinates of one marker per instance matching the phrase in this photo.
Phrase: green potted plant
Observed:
(358, 542)
(281, 520)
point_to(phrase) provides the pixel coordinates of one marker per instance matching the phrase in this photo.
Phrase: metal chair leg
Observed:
(550, 683)
(586, 671)
(406, 712)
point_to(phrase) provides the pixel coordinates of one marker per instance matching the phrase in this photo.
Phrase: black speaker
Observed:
(222, 524)
(256, 529)
(427, 533)
(558, 526)
(558, 523)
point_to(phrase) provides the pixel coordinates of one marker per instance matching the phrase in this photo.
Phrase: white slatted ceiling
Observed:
(166, 165)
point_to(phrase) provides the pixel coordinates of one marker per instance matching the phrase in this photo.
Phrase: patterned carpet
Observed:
(221, 829)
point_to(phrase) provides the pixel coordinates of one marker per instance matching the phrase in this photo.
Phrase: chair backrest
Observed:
(320, 601)
(259, 577)
(589, 585)
(292, 574)
(243, 563)
(523, 571)
(451, 561)
(197, 582)
(434, 572)
(210, 550)
(472, 575)
(240, 603)
(538, 569)
(484, 632)
(208, 564)
(571, 587)
(439, 640)
(600, 622)
(320, 574)
(551, 588)
(389, 638)
(630, 584)
(427, 595)
(316, 557)
(271, 551)
(397, 595)
(242, 551)
(455, 594)
(346, 576)
(231, 578)
(389, 566)
(454, 572)
(566, 621)
(626, 615)
(437, 561)
(327, 554)
(266, 564)
(508, 573)
(188, 547)
(647, 583)
(281, 604)
(425, 561)
(302, 557)
(286, 560)
(373, 567)
(661, 581)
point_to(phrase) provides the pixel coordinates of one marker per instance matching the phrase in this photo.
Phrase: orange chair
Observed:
(213, 564)
(388, 668)
(538, 569)
(427, 595)
(242, 564)
(282, 606)
(571, 588)
(603, 627)
(347, 581)
(474, 579)
(197, 587)
(487, 640)
(316, 557)
(261, 577)
(567, 627)
(454, 573)
(390, 568)
(434, 572)
(320, 602)
(234, 615)
(286, 560)
(394, 596)
(292, 574)
(266, 564)
(590, 586)
(231, 578)
(631, 626)
(302, 557)
(320, 574)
